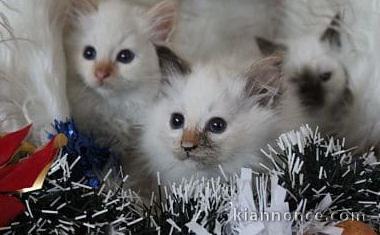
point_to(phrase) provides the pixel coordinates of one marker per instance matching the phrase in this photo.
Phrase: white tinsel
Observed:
(247, 216)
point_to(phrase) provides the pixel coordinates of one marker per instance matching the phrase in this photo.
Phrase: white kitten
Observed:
(316, 89)
(114, 67)
(208, 116)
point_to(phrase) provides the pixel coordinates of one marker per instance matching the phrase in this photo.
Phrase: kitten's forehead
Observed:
(309, 52)
(209, 90)
(113, 22)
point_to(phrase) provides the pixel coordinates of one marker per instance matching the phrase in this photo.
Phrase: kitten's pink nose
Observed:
(103, 70)
(190, 140)
(102, 75)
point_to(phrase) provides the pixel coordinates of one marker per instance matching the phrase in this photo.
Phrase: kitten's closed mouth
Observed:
(191, 156)
(202, 159)
(102, 84)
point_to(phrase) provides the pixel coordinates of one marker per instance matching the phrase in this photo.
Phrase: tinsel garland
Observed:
(65, 206)
(309, 174)
(311, 167)
(93, 156)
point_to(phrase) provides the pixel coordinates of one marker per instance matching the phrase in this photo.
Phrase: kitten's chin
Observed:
(94, 84)
(105, 88)
(202, 160)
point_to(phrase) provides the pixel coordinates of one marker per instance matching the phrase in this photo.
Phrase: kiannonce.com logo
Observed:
(247, 215)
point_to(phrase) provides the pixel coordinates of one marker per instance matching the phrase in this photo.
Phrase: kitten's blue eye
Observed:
(216, 125)
(125, 56)
(89, 53)
(177, 121)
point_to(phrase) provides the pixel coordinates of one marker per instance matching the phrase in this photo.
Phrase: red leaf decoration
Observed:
(10, 208)
(10, 143)
(25, 172)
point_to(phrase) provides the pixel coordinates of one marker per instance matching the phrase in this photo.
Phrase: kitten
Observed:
(317, 89)
(113, 63)
(210, 115)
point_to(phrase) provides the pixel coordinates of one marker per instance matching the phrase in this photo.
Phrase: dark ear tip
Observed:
(268, 47)
(259, 39)
(333, 33)
(169, 62)
(262, 42)
(337, 17)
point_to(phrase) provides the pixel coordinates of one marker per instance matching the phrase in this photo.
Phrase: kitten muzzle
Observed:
(103, 71)
(190, 140)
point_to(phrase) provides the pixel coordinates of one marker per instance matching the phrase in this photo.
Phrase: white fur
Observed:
(362, 127)
(308, 17)
(224, 29)
(211, 90)
(33, 65)
(110, 109)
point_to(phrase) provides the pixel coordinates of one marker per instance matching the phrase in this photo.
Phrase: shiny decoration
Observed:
(22, 174)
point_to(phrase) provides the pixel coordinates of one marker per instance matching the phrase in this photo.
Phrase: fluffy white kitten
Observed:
(316, 85)
(347, 103)
(210, 115)
(32, 83)
(114, 67)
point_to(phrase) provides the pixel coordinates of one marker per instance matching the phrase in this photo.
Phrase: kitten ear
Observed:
(332, 34)
(263, 80)
(170, 63)
(163, 17)
(268, 48)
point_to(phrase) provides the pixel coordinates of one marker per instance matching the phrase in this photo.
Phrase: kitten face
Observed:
(112, 47)
(313, 68)
(317, 82)
(205, 119)
(315, 73)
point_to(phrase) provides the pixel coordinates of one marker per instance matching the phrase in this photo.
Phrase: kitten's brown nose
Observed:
(190, 139)
(103, 70)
